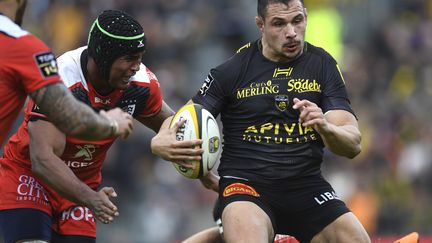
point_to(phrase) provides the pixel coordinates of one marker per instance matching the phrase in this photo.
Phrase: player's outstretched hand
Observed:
(121, 120)
(101, 206)
(165, 145)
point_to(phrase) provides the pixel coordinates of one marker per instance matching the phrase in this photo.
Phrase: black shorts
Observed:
(25, 223)
(300, 208)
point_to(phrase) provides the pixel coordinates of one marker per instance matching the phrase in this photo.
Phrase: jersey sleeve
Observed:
(154, 101)
(214, 92)
(32, 112)
(335, 94)
(35, 64)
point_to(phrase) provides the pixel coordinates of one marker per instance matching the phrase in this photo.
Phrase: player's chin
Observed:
(124, 83)
(291, 55)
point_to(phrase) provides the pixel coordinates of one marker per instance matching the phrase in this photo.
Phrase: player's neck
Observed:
(99, 84)
(8, 9)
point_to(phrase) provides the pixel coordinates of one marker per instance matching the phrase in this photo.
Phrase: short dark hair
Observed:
(114, 34)
(263, 4)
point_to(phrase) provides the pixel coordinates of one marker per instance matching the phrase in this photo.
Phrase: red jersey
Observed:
(142, 98)
(26, 65)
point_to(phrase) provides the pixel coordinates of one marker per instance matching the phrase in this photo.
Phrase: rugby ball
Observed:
(199, 124)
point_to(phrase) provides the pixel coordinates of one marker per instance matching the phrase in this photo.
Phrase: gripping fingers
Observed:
(129, 128)
(189, 152)
(105, 214)
(186, 154)
(178, 124)
(189, 143)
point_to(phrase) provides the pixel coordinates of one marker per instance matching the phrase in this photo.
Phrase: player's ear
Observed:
(19, 14)
(305, 14)
(260, 23)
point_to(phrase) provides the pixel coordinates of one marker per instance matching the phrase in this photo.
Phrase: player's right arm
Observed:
(77, 119)
(46, 145)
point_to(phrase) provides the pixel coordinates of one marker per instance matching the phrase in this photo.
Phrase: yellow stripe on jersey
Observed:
(243, 47)
(337, 66)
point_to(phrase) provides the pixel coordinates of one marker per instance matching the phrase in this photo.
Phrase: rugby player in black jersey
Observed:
(281, 101)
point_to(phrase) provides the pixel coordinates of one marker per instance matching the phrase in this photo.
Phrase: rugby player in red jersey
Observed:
(49, 184)
(28, 67)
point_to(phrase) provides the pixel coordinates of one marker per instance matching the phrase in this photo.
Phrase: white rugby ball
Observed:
(199, 124)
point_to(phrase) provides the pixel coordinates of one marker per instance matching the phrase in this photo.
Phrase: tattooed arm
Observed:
(77, 119)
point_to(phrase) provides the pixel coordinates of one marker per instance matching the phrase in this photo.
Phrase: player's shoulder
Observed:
(69, 64)
(18, 41)
(144, 76)
(245, 51)
(239, 58)
(72, 56)
(318, 52)
(9, 28)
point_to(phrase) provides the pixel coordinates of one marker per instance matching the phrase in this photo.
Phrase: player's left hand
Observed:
(101, 206)
(311, 115)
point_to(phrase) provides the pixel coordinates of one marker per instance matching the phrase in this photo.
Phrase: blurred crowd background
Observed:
(384, 48)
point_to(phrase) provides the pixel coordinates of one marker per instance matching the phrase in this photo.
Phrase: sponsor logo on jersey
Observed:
(102, 101)
(77, 213)
(278, 133)
(206, 85)
(240, 188)
(301, 85)
(30, 190)
(128, 106)
(83, 157)
(259, 88)
(78, 164)
(285, 72)
(325, 197)
(47, 64)
(281, 102)
(85, 151)
(130, 109)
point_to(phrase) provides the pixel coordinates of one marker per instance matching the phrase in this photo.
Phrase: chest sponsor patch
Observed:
(240, 188)
(47, 64)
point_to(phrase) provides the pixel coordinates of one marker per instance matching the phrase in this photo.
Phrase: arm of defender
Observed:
(77, 119)
(46, 145)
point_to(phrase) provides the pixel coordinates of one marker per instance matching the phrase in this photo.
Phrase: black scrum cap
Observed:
(114, 34)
